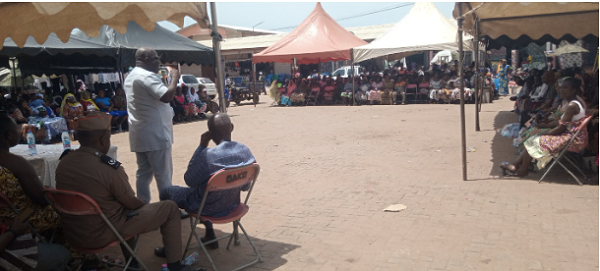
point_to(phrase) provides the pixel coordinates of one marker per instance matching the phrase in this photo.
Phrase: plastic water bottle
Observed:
(164, 267)
(31, 143)
(189, 260)
(66, 140)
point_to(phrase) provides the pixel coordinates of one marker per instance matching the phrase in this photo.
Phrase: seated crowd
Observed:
(87, 171)
(31, 111)
(440, 84)
(551, 106)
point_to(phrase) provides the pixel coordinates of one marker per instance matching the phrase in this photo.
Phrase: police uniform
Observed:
(90, 172)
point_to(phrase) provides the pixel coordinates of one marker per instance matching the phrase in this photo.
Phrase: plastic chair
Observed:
(227, 179)
(411, 90)
(79, 204)
(563, 153)
(423, 93)
(314, 95)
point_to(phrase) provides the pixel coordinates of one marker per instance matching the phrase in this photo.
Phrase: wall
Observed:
(283, 68)
(194, 69)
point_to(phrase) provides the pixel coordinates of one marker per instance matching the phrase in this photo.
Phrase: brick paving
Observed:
(328, 172)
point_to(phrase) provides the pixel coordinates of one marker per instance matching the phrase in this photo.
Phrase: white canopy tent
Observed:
(424, 28)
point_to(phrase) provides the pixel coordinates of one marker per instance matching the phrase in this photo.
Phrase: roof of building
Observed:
(366, 33)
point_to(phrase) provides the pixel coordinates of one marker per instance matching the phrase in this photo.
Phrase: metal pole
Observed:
(476, 44)
(218, 64)
(352, 71)
(14, 75)
(462, 94)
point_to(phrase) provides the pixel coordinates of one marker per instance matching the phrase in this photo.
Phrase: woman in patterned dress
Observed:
(20, 183)
(543, 146)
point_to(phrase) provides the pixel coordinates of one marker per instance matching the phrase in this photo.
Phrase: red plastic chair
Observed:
(563, 153)
(79, 204)
(227, 179)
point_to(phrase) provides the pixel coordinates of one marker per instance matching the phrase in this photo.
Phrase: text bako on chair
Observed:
(78, 204)
(563, 155)
(234, 178)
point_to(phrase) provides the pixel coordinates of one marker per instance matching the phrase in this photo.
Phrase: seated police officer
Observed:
(89, 171)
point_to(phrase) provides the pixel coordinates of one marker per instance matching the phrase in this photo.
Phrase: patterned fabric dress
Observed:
(503, 80)
(42, 219)
(533, 131)
(544, 147)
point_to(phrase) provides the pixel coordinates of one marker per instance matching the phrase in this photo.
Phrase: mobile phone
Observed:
(25, 214)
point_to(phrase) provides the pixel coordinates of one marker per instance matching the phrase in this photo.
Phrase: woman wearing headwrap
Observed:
(71, 111)
(87, 103)
(275, 95)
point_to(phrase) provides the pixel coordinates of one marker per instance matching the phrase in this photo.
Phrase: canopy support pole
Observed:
(218, 64)
(14, 76)
(352, 71)
(477, 88)
(462, 93)
(256, 90)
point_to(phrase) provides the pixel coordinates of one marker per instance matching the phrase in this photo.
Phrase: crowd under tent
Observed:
(519, 24)
(319, 38)
(434, 32)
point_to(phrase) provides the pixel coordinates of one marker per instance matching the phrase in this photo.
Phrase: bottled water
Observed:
(189, 260)
(66, 140)
(31, 143)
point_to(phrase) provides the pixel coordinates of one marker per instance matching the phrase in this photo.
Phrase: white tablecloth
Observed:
(46, 159)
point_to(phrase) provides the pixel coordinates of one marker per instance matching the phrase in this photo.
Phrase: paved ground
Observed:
(328, 172)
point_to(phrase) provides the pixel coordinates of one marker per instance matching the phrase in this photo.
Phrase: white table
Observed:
(46, 159)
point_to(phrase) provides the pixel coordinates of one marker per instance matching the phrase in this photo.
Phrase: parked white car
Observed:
(345, 71)
(189, 80)
(211, 89)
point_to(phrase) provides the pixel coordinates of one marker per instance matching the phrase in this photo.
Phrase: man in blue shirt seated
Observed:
(204, 163)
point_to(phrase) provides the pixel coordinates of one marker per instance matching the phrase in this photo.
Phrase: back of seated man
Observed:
(204, 163)
(89, 171)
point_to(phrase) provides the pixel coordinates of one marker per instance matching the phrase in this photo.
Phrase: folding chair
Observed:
(563, 153)
(6, 203)
(79, 204)
(314, 95)
(412, 90)
(227, 179)
(423, 94)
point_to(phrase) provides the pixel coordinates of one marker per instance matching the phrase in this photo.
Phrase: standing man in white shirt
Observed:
(150, 122)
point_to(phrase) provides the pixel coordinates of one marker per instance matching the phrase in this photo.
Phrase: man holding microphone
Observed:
(150, 121)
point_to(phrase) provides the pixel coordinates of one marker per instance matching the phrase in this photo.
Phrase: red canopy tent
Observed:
(318, 39)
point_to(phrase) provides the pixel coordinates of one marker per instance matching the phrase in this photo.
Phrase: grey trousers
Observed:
(52, 257)
(153, 163)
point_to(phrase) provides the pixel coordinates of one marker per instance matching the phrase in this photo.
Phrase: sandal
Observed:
(505, 170)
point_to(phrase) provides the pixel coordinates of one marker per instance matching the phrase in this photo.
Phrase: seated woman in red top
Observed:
(87, 103)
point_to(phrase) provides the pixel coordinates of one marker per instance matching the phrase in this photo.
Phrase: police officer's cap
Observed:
(95, 121)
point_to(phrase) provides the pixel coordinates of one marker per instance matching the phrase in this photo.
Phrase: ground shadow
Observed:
(272, 252)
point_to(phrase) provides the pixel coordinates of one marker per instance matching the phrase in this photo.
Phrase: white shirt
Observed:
(150, 120)
(193, 97)
(539, 93)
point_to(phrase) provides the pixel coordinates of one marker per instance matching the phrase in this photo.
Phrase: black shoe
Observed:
(214, 245)
(184, 214)
(160, 252)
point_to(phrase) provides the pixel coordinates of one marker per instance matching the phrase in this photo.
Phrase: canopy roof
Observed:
(522, 23)
(170, 46)
(21, 20)
(318, 38)
(107, 52)
(424, 28)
